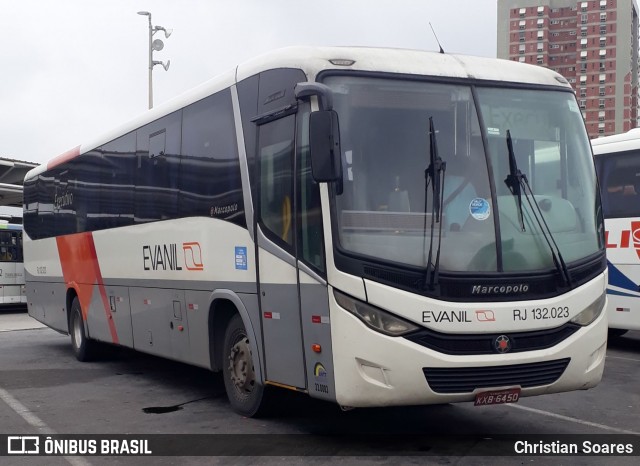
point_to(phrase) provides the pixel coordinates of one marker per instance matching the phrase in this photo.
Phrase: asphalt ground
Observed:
(45, 390)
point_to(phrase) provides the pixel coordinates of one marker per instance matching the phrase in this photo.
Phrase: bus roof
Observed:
(617, 142)
(313, 60)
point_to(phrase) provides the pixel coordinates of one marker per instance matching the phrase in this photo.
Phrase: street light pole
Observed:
(154, 45)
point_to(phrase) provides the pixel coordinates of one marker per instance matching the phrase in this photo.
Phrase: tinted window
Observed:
(620, 184)
(117, 202)
(158, 162)
(210, 183)
(310, 236)
(10, 246)
(160, 171)
(276, 149)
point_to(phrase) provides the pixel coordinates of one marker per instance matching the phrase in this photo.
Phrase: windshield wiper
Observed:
(434, 175)
(514, 179)
(518, 185)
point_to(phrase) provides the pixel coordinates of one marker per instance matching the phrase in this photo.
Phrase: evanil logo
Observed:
(626, 239)
(167, 256)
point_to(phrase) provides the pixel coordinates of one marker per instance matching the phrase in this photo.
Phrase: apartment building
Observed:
(593, 44)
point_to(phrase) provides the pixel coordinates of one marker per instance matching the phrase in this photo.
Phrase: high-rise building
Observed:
(593, 44)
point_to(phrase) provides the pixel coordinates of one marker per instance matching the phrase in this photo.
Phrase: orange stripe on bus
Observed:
(81, 270)
(64, 157)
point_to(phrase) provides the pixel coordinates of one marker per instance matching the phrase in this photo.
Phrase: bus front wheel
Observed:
(83, 347)
(245, 393)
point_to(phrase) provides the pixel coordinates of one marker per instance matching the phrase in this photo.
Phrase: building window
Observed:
(540, 23)
(583, 92)
(521, 48)
(522, 24)
(540, 60)
(583, 103)
(603, 17)
(601, 103)
(521, 37)
(540, 47)
(601, 91)
(603, 41)
(522, 11)
(603, 4)
(583, 18)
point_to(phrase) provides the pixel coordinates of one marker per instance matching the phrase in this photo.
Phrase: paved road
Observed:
(43, 389)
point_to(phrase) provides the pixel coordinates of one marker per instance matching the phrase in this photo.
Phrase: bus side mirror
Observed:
(324, 143)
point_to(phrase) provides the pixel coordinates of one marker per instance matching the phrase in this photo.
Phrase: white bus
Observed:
(12, 288)
(369, 226)
(618, 166)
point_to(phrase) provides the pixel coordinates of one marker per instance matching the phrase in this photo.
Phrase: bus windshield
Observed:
(385, 205)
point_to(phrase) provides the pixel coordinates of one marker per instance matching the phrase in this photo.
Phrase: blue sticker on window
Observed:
(480, 209)
(241, 258)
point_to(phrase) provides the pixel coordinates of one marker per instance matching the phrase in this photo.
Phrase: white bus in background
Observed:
(12, 289)
(368, 226)
(618, 165)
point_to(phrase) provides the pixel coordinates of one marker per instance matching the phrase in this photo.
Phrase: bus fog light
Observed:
(374, 317)
(592, 311)
(596, 357)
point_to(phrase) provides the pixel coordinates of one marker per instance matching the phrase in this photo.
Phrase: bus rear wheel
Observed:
(245, 393)
(83, 347)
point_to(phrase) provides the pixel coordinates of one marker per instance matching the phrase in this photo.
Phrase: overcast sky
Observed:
(73, 69)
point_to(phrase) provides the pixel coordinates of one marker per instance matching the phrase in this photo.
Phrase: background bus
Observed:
(618, 165)
(336, 221)
(12, 287)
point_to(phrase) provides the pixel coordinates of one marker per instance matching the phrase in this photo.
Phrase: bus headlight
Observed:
(374, 317)
(592, 311)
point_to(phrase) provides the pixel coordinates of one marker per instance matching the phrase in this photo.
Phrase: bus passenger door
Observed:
(278, 275)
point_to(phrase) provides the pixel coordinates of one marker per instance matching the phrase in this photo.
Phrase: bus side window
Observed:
(276, 150)
(310, 236)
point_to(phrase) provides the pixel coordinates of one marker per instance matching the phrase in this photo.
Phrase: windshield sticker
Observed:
(493, 131)
(480, 208)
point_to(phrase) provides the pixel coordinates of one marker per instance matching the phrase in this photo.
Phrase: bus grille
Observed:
(467, 379)
(483, 343)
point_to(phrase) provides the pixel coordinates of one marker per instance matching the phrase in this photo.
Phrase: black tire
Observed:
(83, 347)
(246, 394)
(617, 332)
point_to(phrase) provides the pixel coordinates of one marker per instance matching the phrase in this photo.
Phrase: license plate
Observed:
(496, 397)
